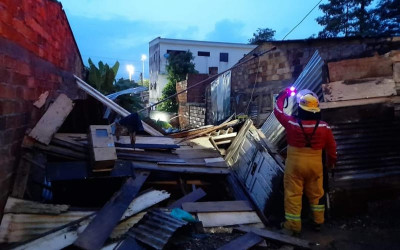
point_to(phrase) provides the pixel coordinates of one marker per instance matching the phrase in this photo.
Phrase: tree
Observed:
(103, 77)
(347, 18)
(387, 15)
(179, 65)
(131, 103)
(262, 35)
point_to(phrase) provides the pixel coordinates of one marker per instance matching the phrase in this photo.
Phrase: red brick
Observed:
(31, 83)
(19, 79)
(23, 69)
(10, 63)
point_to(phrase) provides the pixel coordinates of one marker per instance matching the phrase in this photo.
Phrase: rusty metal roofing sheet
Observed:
(366, 150)
(156, 228)
(311, 78)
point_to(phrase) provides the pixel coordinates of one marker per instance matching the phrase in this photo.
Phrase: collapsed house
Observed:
(76, 184)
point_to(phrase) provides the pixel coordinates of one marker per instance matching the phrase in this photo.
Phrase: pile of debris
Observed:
(115, 195)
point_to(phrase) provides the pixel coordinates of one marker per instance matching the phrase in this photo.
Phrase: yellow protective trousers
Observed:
(303, 171)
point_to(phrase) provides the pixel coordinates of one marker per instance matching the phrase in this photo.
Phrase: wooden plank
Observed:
(276, 236)
(221, 219)
(160, 140)
(18, 206)
(61, 152)
(215, 162)
(23, 227)
(243, 242)
(217, 206)
(22, 175)
(70, 144)
(358, 89)
(65, 235)
(193, 196)
(360, 68)
(179, 169)
(224, 136)
(147, 146)
(100, 228)
(209, 130)
(52, 120)
(332, 105)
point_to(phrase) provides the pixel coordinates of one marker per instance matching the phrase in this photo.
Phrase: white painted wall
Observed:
(162, 45)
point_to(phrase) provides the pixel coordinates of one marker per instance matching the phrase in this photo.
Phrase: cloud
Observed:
(227, 31)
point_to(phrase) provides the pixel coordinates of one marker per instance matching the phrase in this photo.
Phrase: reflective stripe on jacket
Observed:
(322, 139)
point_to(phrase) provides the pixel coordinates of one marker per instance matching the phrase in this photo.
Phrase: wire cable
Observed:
(302, 20)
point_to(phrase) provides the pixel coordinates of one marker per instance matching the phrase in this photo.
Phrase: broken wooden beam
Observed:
(146, 146)
(52, 120)
(193, 196)
(221, 219)
(100, 228)
(217, 206)
(179, 169)
(276, 236)
(243, 242)
(22, 175)
(18, 206)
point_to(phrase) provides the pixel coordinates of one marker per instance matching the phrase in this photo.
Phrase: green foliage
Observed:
(344, 18)
(387, 15)
(131, 103)
(179, 65)
(171, 104)
(102, 78)
(162, 124)
(262, 35)
(146, 83)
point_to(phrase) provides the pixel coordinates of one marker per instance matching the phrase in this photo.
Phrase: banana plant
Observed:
(102, 77)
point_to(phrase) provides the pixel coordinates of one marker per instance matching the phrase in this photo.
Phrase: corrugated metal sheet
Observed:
(311, 78)
(156, 228)
(366, 151)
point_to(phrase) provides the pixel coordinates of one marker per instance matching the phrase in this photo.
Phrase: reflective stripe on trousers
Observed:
(303, 171)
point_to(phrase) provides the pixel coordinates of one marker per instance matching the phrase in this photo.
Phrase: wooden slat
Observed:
(18, 206)
(366, 101)
(22, 176)
(224, 136)
(217, 206)
(276, 236)
(179, 169)
(61, 152)
(146, 146)
(209, 130)
(193, 196)
(220, 219)
(52, 120)
(358, 89)
(100, 228)
(243, 242)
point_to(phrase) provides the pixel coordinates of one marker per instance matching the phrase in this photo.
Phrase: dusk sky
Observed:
(111, 30)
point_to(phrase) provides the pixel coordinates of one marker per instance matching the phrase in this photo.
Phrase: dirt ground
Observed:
(377, 228)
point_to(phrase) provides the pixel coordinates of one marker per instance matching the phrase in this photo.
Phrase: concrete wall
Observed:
(38, 53)
(273, 71)
(159, 47)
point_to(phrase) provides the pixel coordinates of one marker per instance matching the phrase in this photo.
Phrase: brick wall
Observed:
(191, 100)
(273, 71)
(38, 53)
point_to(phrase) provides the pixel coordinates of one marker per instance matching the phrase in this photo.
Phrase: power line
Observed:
(302, 20)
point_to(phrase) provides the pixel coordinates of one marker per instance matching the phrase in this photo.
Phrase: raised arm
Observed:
(278, 110)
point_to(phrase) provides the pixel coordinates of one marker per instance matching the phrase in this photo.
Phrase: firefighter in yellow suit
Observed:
(306, 136)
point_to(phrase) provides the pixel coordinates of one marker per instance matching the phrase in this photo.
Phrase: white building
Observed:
(209, 58)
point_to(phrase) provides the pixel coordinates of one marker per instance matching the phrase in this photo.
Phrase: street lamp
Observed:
(131, 70)
(144, 57)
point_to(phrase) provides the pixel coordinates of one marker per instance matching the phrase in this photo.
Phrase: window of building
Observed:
(203, 53)
(223, 57)
(212, 70)
(175, 52)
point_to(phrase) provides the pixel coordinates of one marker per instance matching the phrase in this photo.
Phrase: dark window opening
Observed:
(212, 70)
(223, 57)
(203, 53)
(175, 52)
